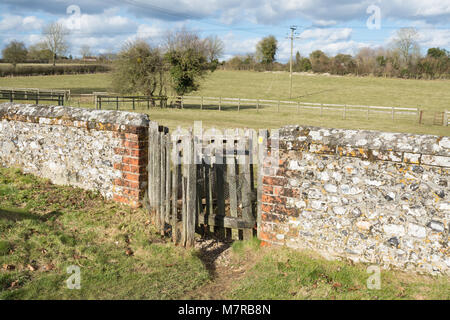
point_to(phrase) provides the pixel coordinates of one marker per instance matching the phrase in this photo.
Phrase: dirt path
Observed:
(225, 274)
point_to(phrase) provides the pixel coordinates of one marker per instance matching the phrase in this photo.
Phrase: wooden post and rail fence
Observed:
(103, 100)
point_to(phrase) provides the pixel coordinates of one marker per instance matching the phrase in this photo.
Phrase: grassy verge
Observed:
(285, 274)
(45, 228)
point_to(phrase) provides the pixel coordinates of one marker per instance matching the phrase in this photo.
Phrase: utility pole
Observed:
(293, 28)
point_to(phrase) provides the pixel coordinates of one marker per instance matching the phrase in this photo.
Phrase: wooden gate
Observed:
(203, 182)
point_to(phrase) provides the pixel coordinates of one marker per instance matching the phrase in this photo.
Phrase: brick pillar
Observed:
(131, 186)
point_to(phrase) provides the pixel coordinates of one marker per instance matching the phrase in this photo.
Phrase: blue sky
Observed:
(331, 26)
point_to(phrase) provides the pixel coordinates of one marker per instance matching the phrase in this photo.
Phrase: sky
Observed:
(334, 27)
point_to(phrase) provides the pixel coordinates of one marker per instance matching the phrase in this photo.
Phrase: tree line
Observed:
(402, 58)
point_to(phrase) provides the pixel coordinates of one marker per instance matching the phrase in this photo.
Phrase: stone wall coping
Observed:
(295, 137)
(33, 113)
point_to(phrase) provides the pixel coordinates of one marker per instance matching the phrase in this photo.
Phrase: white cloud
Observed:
(335, 34)
(429, 38)
(103, 23)
(16, 23)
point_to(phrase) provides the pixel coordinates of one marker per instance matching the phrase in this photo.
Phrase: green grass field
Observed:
(430, 96)
(46, 228)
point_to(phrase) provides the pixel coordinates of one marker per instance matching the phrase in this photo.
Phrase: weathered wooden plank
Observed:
(191, 201)
(262, 152)
(225, 221)
(219, 168)
(150, 168)
(162, 189)
(246, 191)
(231, 179)
(183, 208)
(155, 182)
(209, 192)
(175, 174)
(168, 178)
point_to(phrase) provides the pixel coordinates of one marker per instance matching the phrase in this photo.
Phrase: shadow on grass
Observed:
(16, 214)
(208, 255)
(314, 93)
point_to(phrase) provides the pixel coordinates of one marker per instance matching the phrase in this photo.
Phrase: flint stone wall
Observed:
(368, 196)
(91, 149)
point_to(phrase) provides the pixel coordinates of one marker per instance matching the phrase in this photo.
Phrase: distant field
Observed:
(80, 83)
(430, 96)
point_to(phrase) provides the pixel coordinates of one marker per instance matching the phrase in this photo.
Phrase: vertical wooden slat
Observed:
(219, 171)
(153, 150)
(175, 174)
(183, 192)
(262, 152)
(168, 177)
(231, 179)
(162, 190)
(191, 184)
(209, 194)
(246, 186)
(158, 179)
(149, 168)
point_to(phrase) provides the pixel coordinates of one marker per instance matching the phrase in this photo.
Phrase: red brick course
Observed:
(132, 184)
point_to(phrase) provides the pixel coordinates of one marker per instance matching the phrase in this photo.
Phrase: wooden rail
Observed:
(64, 92)
(12, 95)
(282, 105)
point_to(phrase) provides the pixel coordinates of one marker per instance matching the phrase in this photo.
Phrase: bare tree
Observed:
(85, 51)
(406, 44)
(214, 48)
(55, 39)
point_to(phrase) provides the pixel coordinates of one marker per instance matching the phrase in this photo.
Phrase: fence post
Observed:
(191, 194)
(231, 179)
(262, 152)
(321, 109)
(117, 103)
(245, 184)
(133, 103)
(239, 104)
(201, 105)
(11, 97)
(220, 103)
(278, 106)
(420, 116)
(445, 118)
(257, 105)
